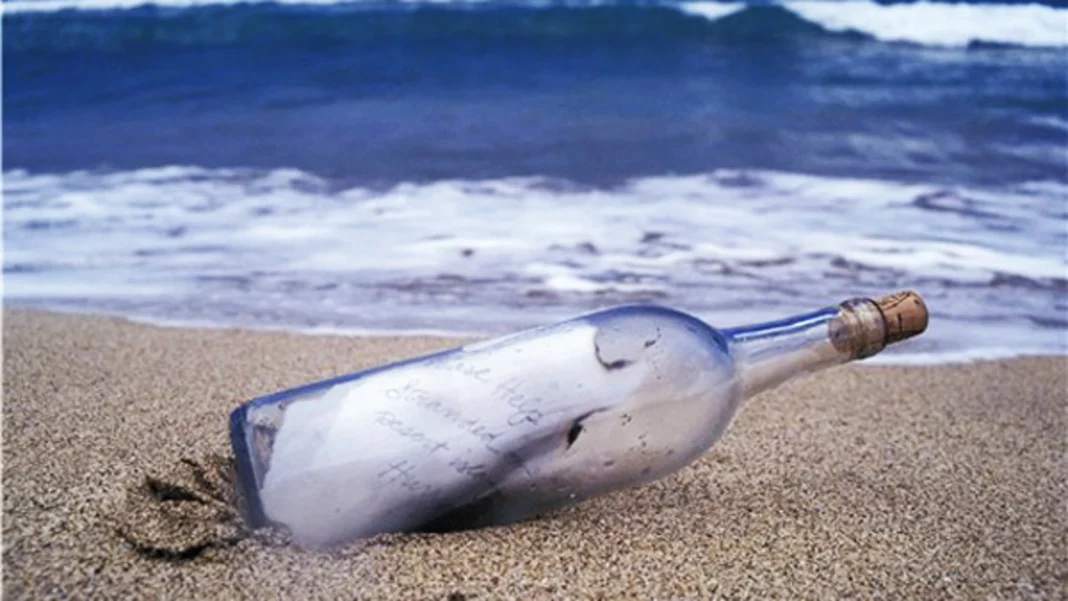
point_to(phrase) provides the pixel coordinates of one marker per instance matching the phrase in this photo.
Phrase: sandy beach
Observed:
(861, 482)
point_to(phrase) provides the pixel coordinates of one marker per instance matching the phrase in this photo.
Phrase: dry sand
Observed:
(863, 482)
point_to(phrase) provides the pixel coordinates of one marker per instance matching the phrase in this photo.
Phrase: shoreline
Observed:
(903, 482)
(894, 357)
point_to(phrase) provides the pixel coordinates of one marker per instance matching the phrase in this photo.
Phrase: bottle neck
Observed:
(771, 353)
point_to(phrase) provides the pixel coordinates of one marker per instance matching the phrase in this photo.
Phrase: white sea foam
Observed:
(775, 216)
(1050, 122)
(192, 245)
(942, 24)
(974, 355)
(925, 23)
(969, 343)
(712, 10)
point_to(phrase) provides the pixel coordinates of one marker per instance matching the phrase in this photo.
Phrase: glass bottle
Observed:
(498, 431)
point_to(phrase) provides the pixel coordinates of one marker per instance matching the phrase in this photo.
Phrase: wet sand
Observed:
(863, 482)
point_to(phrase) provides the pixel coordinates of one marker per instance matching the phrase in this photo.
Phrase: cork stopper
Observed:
(865, 326)
(905, 315)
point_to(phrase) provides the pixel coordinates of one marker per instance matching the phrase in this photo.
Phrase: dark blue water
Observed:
(590, 94)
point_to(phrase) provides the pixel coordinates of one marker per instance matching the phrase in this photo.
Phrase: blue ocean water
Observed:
(483, 166)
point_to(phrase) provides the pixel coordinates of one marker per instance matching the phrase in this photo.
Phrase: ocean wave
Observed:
(757, 219)
(285, 248)
(942, 24)
(747, 221)
(921, 23)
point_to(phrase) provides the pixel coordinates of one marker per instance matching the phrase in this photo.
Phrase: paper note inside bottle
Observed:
(407, 444)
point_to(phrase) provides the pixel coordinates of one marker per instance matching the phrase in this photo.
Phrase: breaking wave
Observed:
(72, 24)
